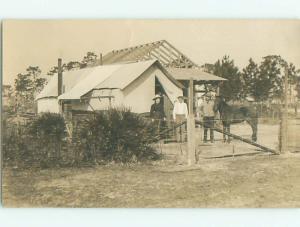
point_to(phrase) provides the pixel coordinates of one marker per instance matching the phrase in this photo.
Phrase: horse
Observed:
(233, 115)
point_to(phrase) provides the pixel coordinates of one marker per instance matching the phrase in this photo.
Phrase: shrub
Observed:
(115, 135)
(48, 125)
(112, 135)
(36, 143)
(47, 134)
(14, 145)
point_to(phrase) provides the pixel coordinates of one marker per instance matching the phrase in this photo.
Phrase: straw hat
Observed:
(250, 99)
(156, 97)
(181, 96)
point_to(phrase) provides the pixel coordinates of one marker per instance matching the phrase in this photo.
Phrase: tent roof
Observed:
(70, 78)
(123, 76)
(195, 73)
(79, 82)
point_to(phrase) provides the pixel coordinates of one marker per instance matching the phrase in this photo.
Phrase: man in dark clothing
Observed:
(157, 113)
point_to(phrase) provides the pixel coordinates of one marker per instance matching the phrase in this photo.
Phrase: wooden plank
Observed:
(100, 59)
(59, 74)
(142, 53)
(157, 57)
(171, 51)
(163, 51)
(170, 58)
(161, 48)
(136, 54)
(191, 138)
(161, 56)
(60, 83)
(284, 123)
(121, 55)
(266, 149)
(170, 45)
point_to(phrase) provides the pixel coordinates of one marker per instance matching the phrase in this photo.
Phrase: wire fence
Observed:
(168, 131)
(268, 133)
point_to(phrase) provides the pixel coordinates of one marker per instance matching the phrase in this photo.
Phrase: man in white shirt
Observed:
(199, 103)
(180, 113)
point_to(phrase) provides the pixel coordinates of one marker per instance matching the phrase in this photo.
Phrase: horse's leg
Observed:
(224, 130)
(253, 123)
(228, 130)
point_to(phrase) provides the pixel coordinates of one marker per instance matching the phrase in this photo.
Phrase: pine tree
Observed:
(232, 88)
(249, 77)
(27, 86)
(89, 59)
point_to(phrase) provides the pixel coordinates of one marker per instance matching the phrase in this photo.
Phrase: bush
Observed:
(115, 135)
(49, 131)
(36, 143)
(14, 145)
(48, 125)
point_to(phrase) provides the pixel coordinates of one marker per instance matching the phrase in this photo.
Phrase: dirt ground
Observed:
(267, 136)
(260, 181)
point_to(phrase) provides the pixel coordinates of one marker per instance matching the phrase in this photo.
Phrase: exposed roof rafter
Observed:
(162, 50)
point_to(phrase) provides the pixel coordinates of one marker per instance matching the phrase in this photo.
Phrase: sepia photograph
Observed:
(127, 113)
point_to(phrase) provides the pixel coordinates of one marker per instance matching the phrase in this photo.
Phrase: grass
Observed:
(260, 181)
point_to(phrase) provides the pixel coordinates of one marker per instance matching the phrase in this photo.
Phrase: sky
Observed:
(42, 42)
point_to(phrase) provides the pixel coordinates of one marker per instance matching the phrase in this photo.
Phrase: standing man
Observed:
(200, 101)
(180, 113)
(208, 117)
(157, 113)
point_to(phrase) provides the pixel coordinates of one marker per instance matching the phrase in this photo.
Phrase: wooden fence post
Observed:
(60, 84)
(284, 117)
(191, 140)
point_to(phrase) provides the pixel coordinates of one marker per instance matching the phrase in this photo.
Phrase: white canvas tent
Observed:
(130, 85)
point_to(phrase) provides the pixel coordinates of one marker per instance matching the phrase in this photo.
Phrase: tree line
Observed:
(262, 81)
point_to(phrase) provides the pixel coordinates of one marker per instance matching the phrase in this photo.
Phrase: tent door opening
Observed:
(166, 102)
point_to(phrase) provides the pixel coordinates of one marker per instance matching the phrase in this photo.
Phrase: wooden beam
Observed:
(97, 97)
(170, 50)
(149, 48)
(157, 57)
(142, 52)
(266, 149)
(122, 55)
(131, 54)
(60, 83)
(191, 139)
(161, 48)
(100, 59)
(161, 56)
(175, 49)
(284, 117)
(191, 96)
(59, 75)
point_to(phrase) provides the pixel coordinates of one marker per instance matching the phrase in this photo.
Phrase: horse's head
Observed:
(219, 102)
